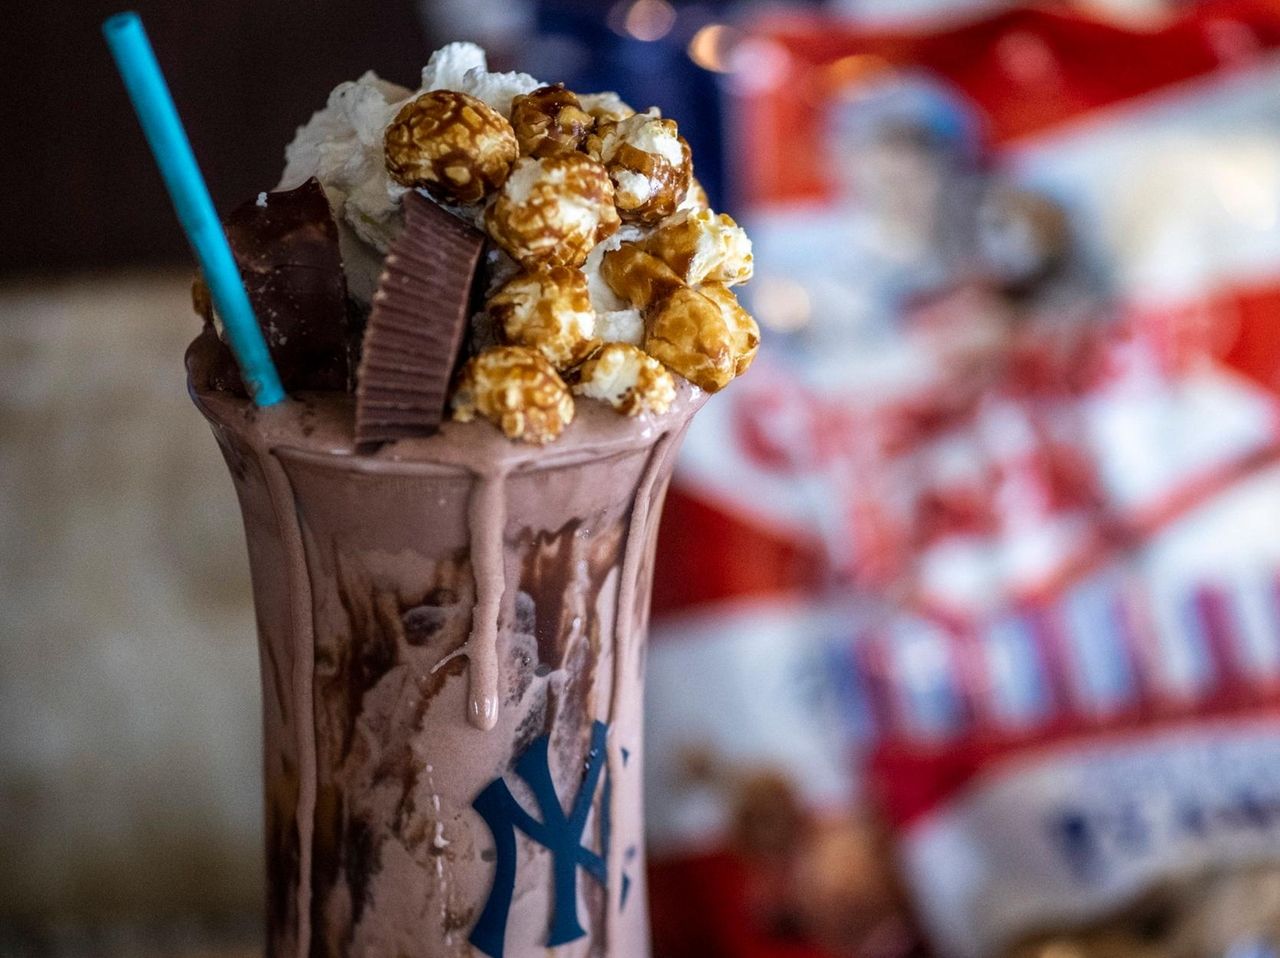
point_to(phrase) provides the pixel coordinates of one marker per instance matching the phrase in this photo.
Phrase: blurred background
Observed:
(978, 573)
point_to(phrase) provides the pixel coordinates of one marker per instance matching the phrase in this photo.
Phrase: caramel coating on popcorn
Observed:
(649, 163)
(701, 246)
(550, 120)
(628, 379)
(516, 389)
(742, 326)
(690, 334)
(704, 334)
(552, 210)
(453, 145)
(547, 309)
(637, 276)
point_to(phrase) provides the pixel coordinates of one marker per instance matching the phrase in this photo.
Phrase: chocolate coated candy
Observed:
(286, 245)
(416, 327)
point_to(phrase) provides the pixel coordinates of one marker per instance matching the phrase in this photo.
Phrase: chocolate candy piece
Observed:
(416, 327)
(286, 245)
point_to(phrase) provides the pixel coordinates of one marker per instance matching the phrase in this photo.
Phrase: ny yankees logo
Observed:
(559, 833)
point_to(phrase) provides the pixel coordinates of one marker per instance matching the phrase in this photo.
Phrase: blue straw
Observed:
(154, 105)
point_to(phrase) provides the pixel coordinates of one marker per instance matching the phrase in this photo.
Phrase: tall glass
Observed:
(451, 634)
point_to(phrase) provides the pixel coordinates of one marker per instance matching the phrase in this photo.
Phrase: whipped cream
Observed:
(464, 67)
(341, 146)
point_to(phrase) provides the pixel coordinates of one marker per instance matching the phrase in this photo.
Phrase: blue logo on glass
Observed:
(560, 833)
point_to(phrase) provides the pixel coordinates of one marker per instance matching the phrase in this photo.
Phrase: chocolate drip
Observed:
(487, 520)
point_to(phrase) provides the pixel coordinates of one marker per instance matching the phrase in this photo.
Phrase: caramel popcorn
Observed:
(703, 334)
(547, 309)
(701, 246)
(606, 107)
(552, 210)
(649, 163)
(628, 379)
(550, 120)
(451, 144)
(638, 277)
(742, 327)
(695, 199)
(689, 333)
(516, 389)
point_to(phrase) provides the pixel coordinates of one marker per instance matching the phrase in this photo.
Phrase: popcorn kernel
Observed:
(628, 379)
(649, 163)
(516, 389)
(456, 147)
(550, 120)
(553, 210)
(547, 309)
(701, 246)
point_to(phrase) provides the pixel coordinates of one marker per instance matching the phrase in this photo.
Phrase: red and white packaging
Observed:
(986, 549)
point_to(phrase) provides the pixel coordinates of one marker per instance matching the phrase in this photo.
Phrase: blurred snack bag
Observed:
(983, 567)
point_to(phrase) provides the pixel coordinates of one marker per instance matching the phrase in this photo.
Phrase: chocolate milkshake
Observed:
(495, 306)
(403, 604)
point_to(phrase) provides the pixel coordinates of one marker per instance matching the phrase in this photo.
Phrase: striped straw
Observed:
(190, 196)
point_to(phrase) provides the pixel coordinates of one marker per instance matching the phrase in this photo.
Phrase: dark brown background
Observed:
(79, 187)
